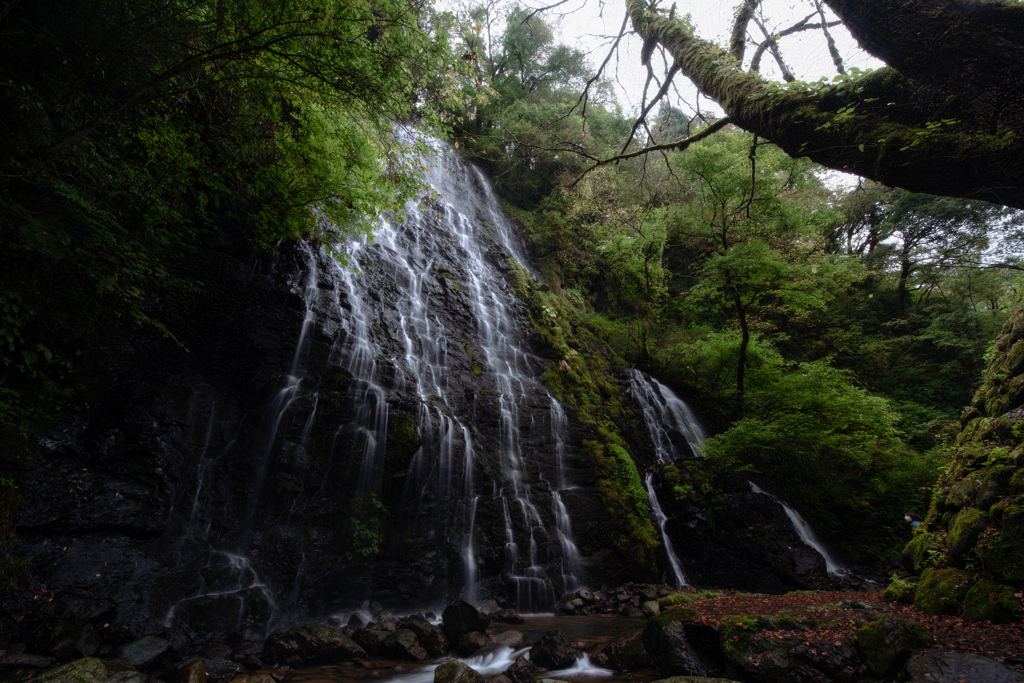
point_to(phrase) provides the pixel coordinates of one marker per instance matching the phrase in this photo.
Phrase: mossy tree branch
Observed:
(931, 122)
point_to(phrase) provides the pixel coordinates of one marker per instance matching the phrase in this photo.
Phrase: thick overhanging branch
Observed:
(868, 125)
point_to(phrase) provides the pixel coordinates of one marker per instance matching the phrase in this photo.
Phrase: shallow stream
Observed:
(583, 630)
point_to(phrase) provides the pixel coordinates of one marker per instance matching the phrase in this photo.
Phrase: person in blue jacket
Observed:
(913, 519)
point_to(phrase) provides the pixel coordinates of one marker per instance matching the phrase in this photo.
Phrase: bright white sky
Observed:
(592, 24)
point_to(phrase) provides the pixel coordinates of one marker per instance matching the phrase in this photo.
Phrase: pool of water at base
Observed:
(586, 631)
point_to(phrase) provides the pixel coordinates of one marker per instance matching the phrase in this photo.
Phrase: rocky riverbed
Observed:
(804, 636)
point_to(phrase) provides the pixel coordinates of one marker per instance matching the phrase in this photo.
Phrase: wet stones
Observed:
(461, 618)
(313, 644)
(553, 651)
(404, 646)
(432, 638)
(626, 600)
(456, 672)
(146, 652)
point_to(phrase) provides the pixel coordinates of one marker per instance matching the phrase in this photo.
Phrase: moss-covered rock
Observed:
(1003, 559)
(990, 601)
(665, 640)
(920, 551)
(85, 670)
(674, 599)
(888, 643)
(964, 530)
(900, 590)
(942, 591)
(457, 672)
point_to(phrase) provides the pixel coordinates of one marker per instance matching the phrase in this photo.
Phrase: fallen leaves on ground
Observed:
(1004, 642)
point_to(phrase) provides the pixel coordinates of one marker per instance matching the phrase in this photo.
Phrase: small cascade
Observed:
(804, 530)
(661, 518)
(675, 434)
(572, 565)
(674, 430)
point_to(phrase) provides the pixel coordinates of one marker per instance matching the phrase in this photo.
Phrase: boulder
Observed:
(941, 591)
(650, 608)
(990, 601)
(471, 642)
(553, 651)
(192, 673)
(508, 616)
(787, 657)
(456, 672)
(313, 644)
(625, 653)
(461, 618)
(954, 668)
(431, 637)
(371, 639)
(85, 670)
(888, 643)
(664, 639)
(145, 652)
(404, 646)
(520, 671)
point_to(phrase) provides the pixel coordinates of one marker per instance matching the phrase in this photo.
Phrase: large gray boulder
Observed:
(146, 652)
(954, 668)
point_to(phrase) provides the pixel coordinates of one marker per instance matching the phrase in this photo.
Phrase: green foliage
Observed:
(137, 131)
(365, 527)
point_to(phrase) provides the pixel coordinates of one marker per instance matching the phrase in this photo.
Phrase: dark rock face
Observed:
(461, 618)
(664, 638)
(553, 651)
(752, 545)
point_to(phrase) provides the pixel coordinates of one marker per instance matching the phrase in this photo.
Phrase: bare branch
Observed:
(837, 59)
(661, 93)
(537, 11)
(677, 145)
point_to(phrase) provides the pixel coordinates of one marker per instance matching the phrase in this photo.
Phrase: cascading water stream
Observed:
(661, 518)
(803, 530)
(675, 433)
(444, 249)
(571, 561)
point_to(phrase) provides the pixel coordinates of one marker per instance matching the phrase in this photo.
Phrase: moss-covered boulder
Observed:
(989, 601)
(942, 591)
(665, 640)
(964, 531)
(888, 643)
(901, 591)
(919, 552)
(457, 672)
(786, 656)
(674, 599)
(85, 670)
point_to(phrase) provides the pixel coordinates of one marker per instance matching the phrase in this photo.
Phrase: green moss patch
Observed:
(942, 591)
(990, 601)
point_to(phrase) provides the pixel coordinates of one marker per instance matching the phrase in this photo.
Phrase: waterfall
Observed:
(571, 561)
(659, 516)
(675, 434)
(399, 298)
(674, 430)
(803, 529)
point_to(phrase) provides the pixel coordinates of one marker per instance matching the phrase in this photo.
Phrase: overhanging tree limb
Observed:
(906, 126)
